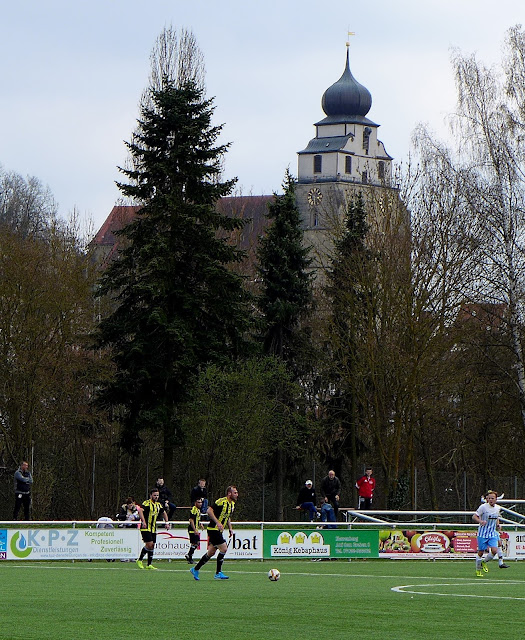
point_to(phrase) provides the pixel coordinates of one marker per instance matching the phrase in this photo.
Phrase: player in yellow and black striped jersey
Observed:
(193, 529)
(220, 516)
(151, 509)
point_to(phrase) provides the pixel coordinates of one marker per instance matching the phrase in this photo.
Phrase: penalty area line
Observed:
(415, 589)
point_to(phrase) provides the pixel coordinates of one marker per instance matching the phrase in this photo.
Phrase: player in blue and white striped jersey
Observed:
(501, 556)
(487, 516)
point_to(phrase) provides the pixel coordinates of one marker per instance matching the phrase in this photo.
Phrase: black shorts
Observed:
(194, 538)
(147, 536)
(365, 503)
(215, 537)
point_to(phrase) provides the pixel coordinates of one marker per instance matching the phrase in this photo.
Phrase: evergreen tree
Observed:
(283, 264)
(178, 305)
(344, 290)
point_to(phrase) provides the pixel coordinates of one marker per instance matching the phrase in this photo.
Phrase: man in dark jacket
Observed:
(200, 492)
(306, 500)
(23, 482)
(165, 498)
(331, 490)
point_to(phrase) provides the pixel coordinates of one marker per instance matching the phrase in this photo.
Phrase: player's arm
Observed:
(166, 520)
(213, 518)
(141, 514)
(192, 523)
(478, 519)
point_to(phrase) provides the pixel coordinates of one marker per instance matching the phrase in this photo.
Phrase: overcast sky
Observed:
(72, 73)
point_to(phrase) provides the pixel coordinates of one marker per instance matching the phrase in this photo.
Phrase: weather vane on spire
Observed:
(350, 33)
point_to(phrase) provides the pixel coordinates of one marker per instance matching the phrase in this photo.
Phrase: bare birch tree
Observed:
(176, 58)
(490, 127)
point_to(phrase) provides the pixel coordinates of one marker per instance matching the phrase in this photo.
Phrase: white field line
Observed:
(415, 589)
(78, 566)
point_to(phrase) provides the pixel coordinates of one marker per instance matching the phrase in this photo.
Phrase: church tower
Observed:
(345, 157)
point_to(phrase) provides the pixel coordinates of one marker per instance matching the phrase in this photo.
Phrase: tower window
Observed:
(381, 170)
(364, 177)
(366, 138)
(348, 164)
(318, 164)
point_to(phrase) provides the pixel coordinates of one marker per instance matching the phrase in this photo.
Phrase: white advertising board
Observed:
(69, 544)
(245, 543)
(516, 545)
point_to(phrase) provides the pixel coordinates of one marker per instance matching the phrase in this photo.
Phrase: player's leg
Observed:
(194, 543)
(501, 562)
(220, 559)
(210, 552)
(150, 547)
(146, 537)
(492, 547)
(479, 557)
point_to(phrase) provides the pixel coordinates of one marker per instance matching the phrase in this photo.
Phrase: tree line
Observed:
(400, 347)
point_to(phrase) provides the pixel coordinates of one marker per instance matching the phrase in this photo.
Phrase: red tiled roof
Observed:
(119, 217)
(250, 208)
(489, 315)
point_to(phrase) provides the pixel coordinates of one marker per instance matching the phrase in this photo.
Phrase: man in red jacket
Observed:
(366, 485)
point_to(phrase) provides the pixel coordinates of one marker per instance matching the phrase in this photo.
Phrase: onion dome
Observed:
(347, 97)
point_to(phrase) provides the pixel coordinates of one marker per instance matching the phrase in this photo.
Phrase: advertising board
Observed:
(321, 543)
(173, 544)
(69, 544)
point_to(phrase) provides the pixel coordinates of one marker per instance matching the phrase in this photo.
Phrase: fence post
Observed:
(464, 490)
(415, 488)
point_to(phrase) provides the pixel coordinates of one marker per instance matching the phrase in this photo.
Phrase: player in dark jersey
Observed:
(220, 515)
(193, 529)
(149, 514)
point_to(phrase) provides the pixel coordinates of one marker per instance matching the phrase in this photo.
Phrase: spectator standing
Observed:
(366, 486)
(200, 491)
(166, 498)
(331, 490)
(23, 483)
(306, 500)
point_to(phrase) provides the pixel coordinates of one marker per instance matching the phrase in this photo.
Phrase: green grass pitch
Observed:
(375, 599)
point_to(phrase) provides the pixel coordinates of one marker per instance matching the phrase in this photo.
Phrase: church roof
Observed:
(347, 120)
(325, 145)
(347, 97)
(252, 209)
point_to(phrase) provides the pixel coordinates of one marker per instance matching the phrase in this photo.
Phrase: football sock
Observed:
(478, 563)
(143, 553)
(150, 556)
(488, 557)
(220, 560)
(202, 561)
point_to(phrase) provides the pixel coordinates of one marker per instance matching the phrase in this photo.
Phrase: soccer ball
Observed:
(274, 575)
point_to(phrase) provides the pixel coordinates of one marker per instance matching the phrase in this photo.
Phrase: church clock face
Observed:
(314, 197)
